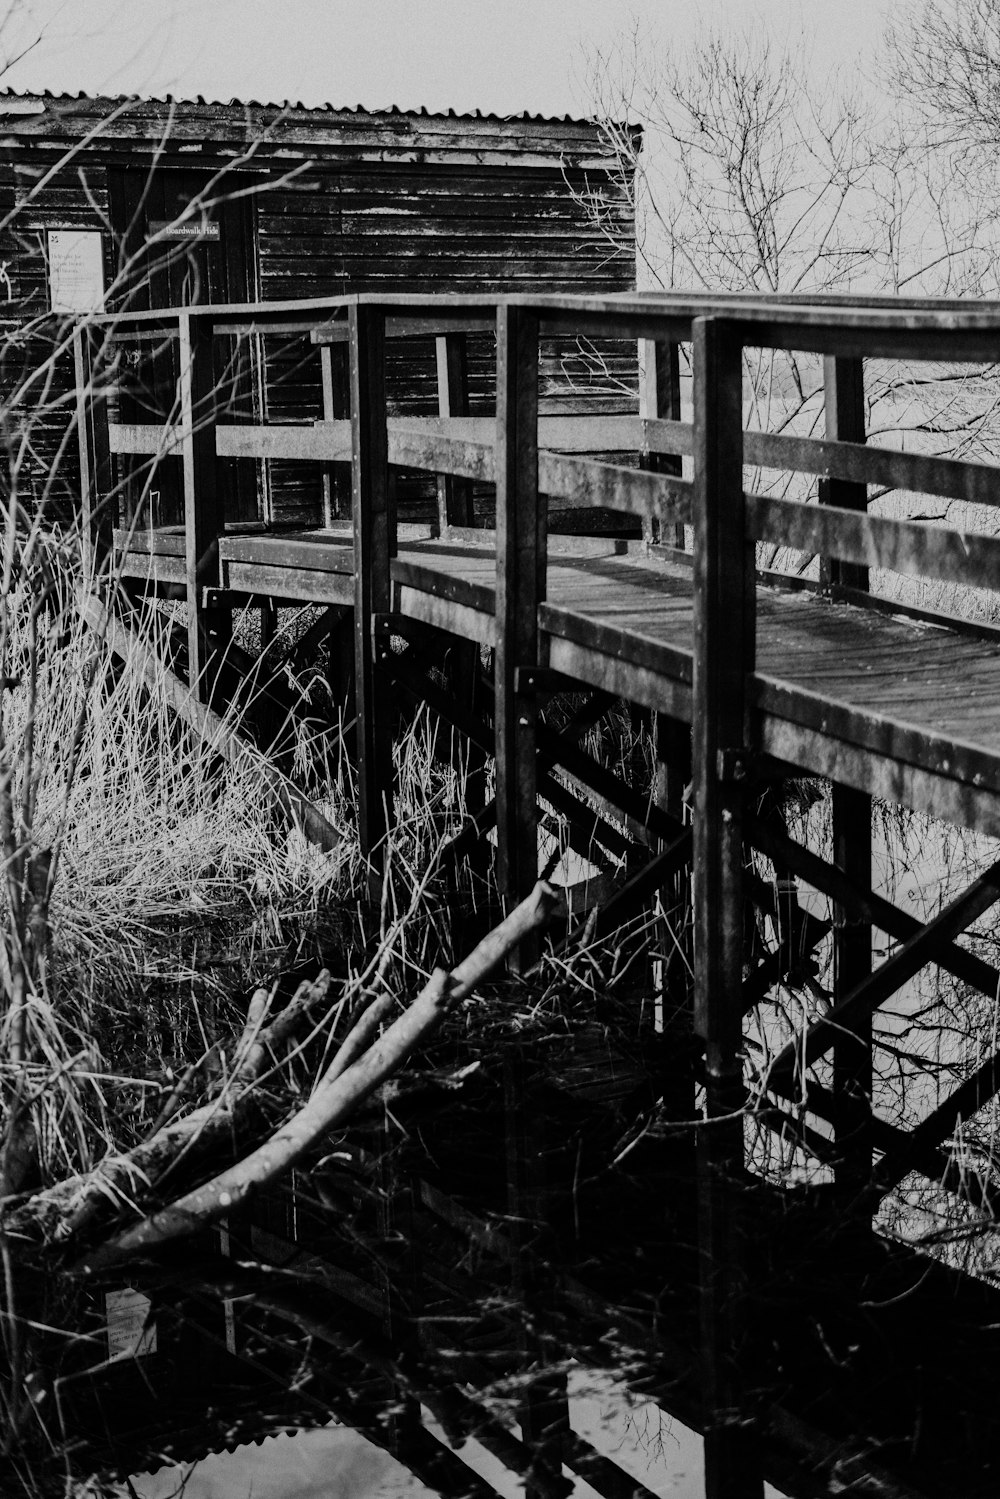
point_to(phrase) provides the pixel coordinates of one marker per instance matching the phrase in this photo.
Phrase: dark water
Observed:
(495, 1283)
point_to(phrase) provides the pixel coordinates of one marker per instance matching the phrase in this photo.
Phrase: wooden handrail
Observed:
(779, 313)
(915, 548)
(429, 442)
(436, 442)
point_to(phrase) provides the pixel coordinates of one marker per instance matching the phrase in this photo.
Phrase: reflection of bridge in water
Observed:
(427, 1318)
(814, 1351)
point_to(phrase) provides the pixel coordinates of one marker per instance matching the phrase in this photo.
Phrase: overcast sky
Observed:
(495, 55)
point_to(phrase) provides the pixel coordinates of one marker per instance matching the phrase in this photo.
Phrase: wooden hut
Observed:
(132, 203)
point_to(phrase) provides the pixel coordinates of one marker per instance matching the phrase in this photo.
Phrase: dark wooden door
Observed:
(183, 241)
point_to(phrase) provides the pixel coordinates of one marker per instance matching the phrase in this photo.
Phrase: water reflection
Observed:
(658, 1455)
(493, 1287)
(325, 1463)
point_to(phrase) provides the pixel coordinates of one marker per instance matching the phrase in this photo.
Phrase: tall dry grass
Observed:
(150, 881)
(173, 883)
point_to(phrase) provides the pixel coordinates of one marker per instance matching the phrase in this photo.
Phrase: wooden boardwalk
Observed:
(774, 676)
(903, 707)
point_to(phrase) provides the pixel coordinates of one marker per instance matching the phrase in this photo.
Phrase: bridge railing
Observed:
(685, 475)
(197, 427)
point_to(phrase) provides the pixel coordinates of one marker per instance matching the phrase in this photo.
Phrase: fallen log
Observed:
(64, 1210)
(340, 1092)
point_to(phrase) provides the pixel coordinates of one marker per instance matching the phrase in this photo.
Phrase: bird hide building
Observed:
(127, 204)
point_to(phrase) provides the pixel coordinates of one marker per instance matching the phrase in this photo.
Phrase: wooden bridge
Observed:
(778, 675)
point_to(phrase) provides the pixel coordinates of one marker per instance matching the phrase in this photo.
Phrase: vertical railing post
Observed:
(454, 493)
(203, 517)
(844, 402)
(335, 403)
(851, 812)
(326, 377)
(660, 397)
(521, 547)
(454, 500)
(724, 633)
(372, 551)
(96, 513)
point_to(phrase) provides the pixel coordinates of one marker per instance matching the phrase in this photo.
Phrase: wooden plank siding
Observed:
(431, 229)
(342, 200)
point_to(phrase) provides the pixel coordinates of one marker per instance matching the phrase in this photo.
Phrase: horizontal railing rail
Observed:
(435, 441)
(913, 548)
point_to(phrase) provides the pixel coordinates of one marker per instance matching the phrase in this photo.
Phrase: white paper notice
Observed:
(76, 270)
(130, 1334)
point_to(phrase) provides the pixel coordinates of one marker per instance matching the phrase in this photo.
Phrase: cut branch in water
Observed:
(338, 1095)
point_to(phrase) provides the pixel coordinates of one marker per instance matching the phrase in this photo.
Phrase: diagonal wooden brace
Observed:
(914, 1147)
(865, 905)
(873, 991)
(921, 1154)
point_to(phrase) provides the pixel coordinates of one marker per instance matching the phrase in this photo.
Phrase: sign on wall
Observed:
(195, 229)
(76, 270)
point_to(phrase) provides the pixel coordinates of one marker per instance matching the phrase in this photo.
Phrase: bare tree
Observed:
(747, 179)
(754, 174)
(945, 61)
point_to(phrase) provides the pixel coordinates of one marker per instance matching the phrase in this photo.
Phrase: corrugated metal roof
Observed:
(525, 117)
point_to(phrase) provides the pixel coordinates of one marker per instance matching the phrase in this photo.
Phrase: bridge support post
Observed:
(844, 398)
(203, 512)
(852, 963)
(543, 1408)
(372, 549)
(521, 542)
(660, 398)
(724, 632)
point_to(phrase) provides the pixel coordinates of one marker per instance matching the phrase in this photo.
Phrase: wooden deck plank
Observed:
(625, 620)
